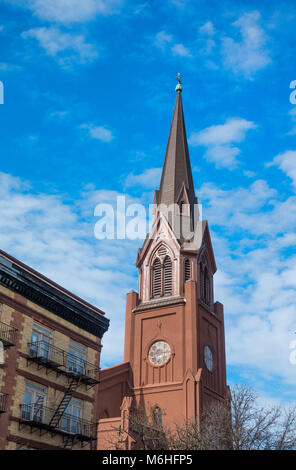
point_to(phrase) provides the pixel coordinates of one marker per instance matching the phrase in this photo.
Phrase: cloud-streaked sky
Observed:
(89, 94)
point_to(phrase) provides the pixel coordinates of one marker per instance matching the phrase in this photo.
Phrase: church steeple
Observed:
(176, 174)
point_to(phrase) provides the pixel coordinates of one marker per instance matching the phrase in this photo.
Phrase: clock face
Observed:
(208, 357)
(159, 353)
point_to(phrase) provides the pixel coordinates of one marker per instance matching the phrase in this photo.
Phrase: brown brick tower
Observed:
(174, 354)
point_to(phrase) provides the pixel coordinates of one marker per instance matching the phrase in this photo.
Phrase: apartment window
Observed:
(71, 421)
(41, 340)
(76, 358)
(34, 402)
(1, 308)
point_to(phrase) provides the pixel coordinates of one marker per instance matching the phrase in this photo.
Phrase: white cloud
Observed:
(181, 50)
(179, 3)
(66, 250)
(205, 42)
(249, 173)
(251, 54)
(254, 233)
(8, 67)
(148, 179)
(98, 132)
(292, 113)
(207, 29)
(69, 11)
(58, 114)
(234, 130)
(223, 156)
(66, 47)
(162, 39)
(219, 139)
(287, 163)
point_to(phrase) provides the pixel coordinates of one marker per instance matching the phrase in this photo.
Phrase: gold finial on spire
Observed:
(179, 86)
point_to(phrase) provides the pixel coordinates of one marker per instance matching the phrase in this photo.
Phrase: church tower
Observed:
(174, 353)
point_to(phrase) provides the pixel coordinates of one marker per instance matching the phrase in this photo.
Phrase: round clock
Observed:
(159, 353)
(208, 358)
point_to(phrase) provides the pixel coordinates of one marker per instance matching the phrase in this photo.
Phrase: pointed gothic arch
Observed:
(161, 269)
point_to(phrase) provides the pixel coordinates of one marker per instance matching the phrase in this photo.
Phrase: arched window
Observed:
(156, 278)
(205, 284)
(157, 416)
(162, 277)
(201, 281)
(167, 270)
(208, 291)
(187, 270)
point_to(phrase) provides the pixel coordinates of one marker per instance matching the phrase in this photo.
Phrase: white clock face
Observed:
(159, 353)
(208, 358)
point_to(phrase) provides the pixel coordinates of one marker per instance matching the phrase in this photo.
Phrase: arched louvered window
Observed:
(156, 280)
(207, 290)
(201, 281)
(167, 271)
(187, 270)
(205, 280)
(205, 285)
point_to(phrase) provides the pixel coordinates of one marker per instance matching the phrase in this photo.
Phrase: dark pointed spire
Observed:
(176, 173)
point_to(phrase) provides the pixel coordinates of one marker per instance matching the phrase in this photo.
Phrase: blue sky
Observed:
(89, 95)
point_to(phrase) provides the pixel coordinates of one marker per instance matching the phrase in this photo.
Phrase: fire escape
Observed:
(58, 421)
(7, 335)
(3, 402)
(7, 338)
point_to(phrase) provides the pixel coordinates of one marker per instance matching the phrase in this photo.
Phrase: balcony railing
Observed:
(87, 372)
(40, 416)
(48, 355)
(3, 402)
(7, 335)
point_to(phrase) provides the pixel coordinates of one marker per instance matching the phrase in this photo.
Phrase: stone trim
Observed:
(159, 303)
(30, 443)
(52, 384)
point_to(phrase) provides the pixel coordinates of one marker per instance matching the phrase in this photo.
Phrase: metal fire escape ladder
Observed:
(58, 414)
(38, 407)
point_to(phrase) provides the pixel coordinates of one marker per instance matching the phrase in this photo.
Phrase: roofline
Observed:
(50, 282)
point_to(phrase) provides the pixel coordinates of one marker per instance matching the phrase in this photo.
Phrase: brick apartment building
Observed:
(49, 378)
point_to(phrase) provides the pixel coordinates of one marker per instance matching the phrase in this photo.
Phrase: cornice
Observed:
(31, 287)
(159, 303)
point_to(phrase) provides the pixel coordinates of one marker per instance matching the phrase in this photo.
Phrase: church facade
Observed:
(174, 353)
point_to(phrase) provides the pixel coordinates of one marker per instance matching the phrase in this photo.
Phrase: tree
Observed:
(256, 427)
(242, 424)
